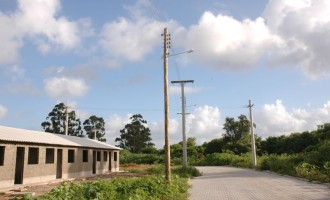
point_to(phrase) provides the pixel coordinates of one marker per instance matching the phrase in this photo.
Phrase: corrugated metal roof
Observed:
(38, 137)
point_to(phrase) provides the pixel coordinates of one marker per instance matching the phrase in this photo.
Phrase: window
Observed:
(105, 156)
(2, 155)
(49, 155)
(33, 155)
(85, 155)
(70, 156)
(98, 156)
(115, 156)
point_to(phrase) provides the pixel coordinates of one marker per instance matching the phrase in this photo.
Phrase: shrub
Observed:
(217, 159)
(127, 157)
(186, 172)
(150, 187)
(284, 164)
(306, 170)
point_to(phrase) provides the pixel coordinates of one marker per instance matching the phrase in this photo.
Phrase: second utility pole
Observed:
(253, 143)
(184, 139)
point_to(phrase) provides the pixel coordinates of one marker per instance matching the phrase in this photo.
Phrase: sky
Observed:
(104, 58)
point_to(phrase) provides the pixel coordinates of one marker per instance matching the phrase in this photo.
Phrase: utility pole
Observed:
(253, 143)
(183, 113)
(166, 107)
(66, 120)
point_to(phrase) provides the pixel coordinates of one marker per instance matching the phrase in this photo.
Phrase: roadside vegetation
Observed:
(148, 184)
(305, 155)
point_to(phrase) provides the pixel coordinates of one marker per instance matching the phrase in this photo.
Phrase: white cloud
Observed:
(276, 119)
(204, 124)
(64, 87)
(130, 39)
(10, 39)
(228, 43)
(157, 130)
(3, 111)
(304, 27)
(39, 21)
(133, 38)
(113, 125)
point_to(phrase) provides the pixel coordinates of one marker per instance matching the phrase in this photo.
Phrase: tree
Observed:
(136, 135)
(56, 122)
(237, 135)
(95, 125)
(236, 130)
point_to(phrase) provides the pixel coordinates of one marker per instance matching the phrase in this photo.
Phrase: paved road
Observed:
(227, 183)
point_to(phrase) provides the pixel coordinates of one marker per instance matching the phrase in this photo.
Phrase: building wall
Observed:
(42, 172)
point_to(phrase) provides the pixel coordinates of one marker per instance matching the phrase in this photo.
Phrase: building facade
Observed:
(32, 157)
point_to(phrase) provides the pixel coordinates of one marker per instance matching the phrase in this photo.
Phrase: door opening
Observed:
(19, 169)
(59, 163)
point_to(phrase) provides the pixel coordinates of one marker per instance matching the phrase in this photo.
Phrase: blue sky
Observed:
(105, 59)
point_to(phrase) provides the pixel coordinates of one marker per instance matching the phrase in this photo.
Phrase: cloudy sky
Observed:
(104, 58)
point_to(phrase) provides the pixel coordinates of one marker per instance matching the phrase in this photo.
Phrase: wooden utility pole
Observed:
(66, 121)
(183, 113)
(253, 143)
(166, 108)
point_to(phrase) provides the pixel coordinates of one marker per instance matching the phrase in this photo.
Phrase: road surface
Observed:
(228, 183)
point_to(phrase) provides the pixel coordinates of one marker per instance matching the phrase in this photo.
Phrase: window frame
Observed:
(33, 156)
(98, 156)
(50, 156)
(84, 155)
(105, 156)
(71, 156)
(115, 156)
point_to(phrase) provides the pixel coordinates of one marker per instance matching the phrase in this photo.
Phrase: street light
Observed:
(189, 51)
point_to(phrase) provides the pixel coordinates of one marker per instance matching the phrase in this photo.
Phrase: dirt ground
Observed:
(40, 189)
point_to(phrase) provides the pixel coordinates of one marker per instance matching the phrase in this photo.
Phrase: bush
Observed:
(150, 187)
(127, 157)
(283, 164)
(217, 159)
(306, 170)
(186, 172)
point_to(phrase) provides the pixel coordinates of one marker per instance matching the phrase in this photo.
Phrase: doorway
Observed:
(110, 161)
(19, 168)
(59, 163)
(94, 162)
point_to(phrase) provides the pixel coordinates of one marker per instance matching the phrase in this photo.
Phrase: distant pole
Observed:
(253, 143)
(183, 113)
(66, 120)
(94, 133)
(166, 108)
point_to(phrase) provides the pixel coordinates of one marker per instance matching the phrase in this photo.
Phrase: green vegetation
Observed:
(151, 185)
(144, 188)
(305, 154)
